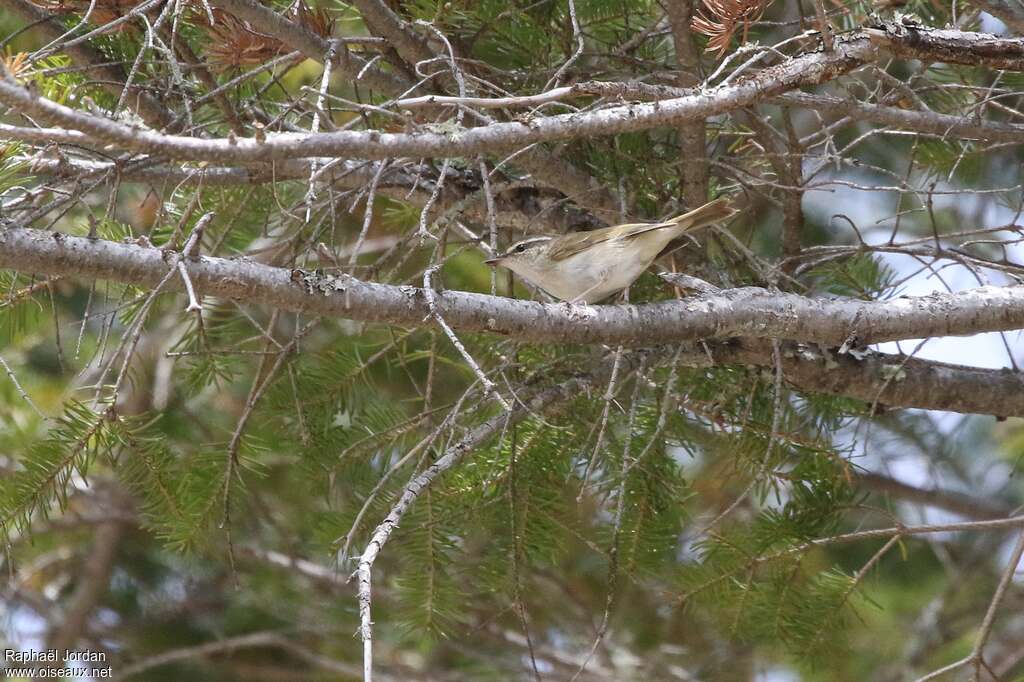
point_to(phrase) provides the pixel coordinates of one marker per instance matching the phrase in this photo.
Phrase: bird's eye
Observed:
(520, 248)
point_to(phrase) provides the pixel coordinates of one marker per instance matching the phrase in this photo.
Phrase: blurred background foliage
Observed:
(677, 510)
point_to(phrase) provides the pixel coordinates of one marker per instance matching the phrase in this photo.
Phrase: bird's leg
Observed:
(577, 307)
(577, 311)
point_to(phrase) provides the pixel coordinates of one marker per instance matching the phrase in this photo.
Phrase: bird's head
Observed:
(525, 257)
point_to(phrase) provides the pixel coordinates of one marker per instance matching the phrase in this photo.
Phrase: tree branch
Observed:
(91, 585)
(750, 312)
(95, 63)
(948, 45)
(310, 44)
(881, 379)
(907, 119)
(382, 21)
(692, 136)
(810, 69)
(950, 500)
(521, 207)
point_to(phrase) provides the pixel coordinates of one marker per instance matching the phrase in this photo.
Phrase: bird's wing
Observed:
(571, 244)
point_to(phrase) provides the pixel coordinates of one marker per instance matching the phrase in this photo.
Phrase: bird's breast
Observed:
(596, 273)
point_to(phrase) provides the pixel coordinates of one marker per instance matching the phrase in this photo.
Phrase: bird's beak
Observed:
(492, 261)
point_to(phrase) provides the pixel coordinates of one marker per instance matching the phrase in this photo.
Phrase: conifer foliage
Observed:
(228, 450)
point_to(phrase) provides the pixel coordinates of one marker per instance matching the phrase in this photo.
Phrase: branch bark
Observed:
(92, 585)
(950, 46)
(692, 136)
(310, 44)
(884, 380)
(907, 119)
(524, 208)
(959, 503)
(810, 69)
(749, 313)
(382, 21)
(95, 63)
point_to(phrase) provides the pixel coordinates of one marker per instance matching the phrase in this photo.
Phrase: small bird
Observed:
(587, 267)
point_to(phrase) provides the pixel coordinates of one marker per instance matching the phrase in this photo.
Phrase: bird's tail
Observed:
(711, 212)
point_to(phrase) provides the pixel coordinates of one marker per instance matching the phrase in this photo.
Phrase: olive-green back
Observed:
(571, 244)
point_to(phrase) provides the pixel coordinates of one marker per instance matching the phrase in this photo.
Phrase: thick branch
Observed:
(94, 63)
(894, 117)
(692, 136)
(383, 21)
(908, 119)
(748, 312)
(310, 44)
(884, 380)
(950, 500)
(758, 313)
(346, 175)
(949, 46)
(522, 207)
(92, 585)
(808, 69)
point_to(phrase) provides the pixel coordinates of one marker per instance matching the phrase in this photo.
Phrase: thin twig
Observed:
(371, 196)
(577, 35)
(489, 387)
(21, 391)
(620, 505)
(977, 654)
(421, 482)
(609, 396)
